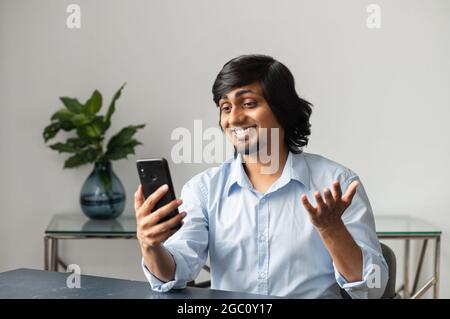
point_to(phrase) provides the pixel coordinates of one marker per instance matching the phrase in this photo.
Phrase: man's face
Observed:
(243, 113)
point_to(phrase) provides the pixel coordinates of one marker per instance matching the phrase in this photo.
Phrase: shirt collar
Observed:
(295, 168)
(237, 174)
(300, 169)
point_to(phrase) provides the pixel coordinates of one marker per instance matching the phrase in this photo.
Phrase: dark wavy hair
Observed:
(278, 85)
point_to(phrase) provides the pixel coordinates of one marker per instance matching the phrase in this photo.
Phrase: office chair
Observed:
(389, 292)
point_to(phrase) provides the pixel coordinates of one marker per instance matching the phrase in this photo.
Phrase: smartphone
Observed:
(153, 173)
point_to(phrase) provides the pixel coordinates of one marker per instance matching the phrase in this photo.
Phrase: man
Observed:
(267, 231)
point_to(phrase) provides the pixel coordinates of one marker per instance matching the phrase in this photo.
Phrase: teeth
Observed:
(241, 131)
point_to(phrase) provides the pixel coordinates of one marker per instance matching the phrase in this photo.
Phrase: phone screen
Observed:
(153, 173)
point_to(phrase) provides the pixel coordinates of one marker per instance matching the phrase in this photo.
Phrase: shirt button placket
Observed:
(263, 255)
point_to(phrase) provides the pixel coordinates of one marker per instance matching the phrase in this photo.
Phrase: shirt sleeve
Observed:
(189, 245)
(359, 220)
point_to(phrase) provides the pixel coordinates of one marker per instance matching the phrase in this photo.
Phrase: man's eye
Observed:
(226, 109)
(250, 104)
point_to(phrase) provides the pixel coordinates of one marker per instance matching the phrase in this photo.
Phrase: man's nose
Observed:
(236, 117)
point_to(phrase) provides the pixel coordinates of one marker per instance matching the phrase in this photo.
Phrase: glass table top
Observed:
(71, 224)
(125, 225)
(404, 225)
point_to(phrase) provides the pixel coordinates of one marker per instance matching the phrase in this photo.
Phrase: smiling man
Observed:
(303, 229)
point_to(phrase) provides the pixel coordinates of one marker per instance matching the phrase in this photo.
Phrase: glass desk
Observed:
(77, 226)
(408, 228)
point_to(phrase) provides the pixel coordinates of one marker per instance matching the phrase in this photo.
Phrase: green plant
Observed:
(88, 145)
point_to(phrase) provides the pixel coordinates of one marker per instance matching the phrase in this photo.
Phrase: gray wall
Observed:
(381, 100)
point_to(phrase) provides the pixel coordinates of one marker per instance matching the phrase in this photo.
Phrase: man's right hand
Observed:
(149, 233)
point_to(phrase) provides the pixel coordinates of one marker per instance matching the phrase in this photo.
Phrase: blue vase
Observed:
(102, 195)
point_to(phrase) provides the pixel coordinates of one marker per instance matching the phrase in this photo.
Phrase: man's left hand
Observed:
(327, 215)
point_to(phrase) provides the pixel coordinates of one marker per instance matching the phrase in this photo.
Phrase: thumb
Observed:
(138, 198)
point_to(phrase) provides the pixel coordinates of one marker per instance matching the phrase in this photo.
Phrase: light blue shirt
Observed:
(266, 243)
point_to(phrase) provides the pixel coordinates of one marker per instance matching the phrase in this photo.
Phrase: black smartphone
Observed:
(153, 173)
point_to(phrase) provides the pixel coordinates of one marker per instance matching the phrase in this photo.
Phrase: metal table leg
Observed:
(437, 254)
(406, 271)
(433, 282)
(419, 266)
(46, 257)
(53, 254)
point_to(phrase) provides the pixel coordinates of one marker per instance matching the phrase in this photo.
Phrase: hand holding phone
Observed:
(155, 203)
(154, 173)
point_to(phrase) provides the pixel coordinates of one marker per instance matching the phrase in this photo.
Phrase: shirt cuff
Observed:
(181, 274)
(373, 262)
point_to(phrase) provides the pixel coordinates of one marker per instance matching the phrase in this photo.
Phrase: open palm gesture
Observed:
(327, 214)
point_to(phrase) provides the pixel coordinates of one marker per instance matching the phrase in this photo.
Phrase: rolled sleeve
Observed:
(374, 279)
(359, 220)
(189, 245)
(181, 273)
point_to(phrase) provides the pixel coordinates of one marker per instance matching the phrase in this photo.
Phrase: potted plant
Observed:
(102, 195)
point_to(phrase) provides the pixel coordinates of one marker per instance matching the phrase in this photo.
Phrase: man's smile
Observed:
(242, 131)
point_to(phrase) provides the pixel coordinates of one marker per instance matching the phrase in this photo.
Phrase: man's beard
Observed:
(261, 148)
(246, 148)
(249, 145)
(253, 149)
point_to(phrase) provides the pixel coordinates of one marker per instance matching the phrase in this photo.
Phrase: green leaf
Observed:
(67, 126)
(100, 123)
(121, 144)
(72, 104)
(81, 142)
(64, 148)
(62, 115)
(90, 130)
(94, 104)
(81, 119)
(112, 106)
(51, 130)
(124, 136)
(87, 146)
(121, 151)
(87, 156)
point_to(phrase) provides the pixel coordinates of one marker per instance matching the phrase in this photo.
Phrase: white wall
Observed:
(381, 100)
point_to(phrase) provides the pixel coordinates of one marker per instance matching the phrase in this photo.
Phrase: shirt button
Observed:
(262, 238)
(262, 275)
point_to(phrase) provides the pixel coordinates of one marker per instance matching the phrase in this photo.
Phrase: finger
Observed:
(310, 208)
(152, 200)
(138, 198)
(154, 218)
(162, 212)
(169, 224)
(163, 237)
(337, 192)
(320, 203)
(351, 191)
(329, 200)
